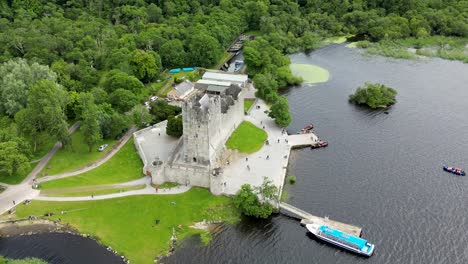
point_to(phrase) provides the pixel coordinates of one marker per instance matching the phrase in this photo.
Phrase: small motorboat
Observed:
(454, 170)
(320, 144)
(307, 129)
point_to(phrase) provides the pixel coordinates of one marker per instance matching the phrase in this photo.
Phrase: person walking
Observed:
(248, 167)
(246, 159)
(14, 203)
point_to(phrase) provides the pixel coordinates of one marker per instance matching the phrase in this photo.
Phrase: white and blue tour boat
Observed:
(342, 239)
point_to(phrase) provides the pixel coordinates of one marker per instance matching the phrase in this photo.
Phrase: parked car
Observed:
(153, 98)
(102, 147)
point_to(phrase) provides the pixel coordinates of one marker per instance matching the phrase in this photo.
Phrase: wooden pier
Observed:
(312, 219)
(302, 140)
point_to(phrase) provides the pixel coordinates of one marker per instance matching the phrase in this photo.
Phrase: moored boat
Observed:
(454, 170)
(320, 144)
(342, 239)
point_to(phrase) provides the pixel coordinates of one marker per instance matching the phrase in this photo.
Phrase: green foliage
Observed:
(291, 179)
(374, 96)
(16, 79)
(90, 124)
(141, 116)
(45, 112)
(161, 110)
(173, 54)
(247, 138)
(12, 160)
(256, 202)
(146, 65)
(123, 100)
(204, 50)
(174, 126)
(117, 79)
(280, 112)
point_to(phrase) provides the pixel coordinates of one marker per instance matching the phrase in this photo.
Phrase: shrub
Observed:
(292, 179)
(374, 96)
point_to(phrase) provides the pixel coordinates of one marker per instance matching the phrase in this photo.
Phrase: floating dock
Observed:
(302, 140)
(312, 219)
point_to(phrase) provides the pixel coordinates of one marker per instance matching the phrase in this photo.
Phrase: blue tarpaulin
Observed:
(175, 70)
(188, 69)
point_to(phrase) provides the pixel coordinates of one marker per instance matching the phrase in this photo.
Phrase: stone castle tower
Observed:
(209, 119)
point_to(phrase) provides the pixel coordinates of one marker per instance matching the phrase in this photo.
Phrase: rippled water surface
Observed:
(382, 172)
(57, 248)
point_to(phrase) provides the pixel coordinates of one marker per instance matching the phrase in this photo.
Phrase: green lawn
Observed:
(128, 224)
(75, 156)
(124, 166)
(248, 104)
(247, 138)
(98, 191)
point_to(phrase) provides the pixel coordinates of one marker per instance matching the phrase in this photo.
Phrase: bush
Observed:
(174, 126)
(374, 96)
(292, 179)
(256, 201)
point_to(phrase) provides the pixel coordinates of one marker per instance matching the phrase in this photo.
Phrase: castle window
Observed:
(194, 159)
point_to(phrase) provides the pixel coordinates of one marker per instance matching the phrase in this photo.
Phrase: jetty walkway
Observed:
(308, 218)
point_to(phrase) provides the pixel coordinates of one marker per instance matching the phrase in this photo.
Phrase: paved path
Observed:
(96, 164)
(146, 191)
(23, 191)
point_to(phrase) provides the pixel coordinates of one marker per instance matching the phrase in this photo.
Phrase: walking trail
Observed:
(18, 193)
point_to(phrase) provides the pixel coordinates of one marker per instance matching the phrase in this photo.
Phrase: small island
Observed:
(374, 96)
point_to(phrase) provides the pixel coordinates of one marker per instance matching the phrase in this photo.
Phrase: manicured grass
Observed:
(310, 73)
(124, 166)
(76, 156)
(248, 104)
(99, 191)
(247, 138)
(128, 224)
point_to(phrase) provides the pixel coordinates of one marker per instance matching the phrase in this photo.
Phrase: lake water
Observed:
(381, 172)
(57, 248)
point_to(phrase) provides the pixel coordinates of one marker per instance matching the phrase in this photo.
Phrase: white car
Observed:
(147, 105)
(153, 98)
(102, 147)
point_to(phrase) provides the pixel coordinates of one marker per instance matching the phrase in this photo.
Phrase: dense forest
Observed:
(96, 60)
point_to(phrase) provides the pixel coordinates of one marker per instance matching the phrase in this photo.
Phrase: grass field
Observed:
(248, 104)
(247, 138)
(124, 166)
(93, 190)
(75, 156)
(128, 224)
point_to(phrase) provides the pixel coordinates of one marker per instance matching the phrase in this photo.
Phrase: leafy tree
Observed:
(161, 110)
(45, 112)
(16, 79)
(116, 79)
(123, 100)
(173, 54)
(280, 112)
(203, 50)
(146, 65)
(257, 202)
(174, 126)
(141, 115)
(90, 123)
(374, 95)
(12, 160)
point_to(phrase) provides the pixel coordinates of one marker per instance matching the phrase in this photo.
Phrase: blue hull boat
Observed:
(342, 239)
(454, 170)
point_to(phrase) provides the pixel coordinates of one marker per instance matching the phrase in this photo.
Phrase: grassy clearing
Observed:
(128, 224)
(248, 104)
(122, 167)
(247, 138)
(449, 48)
(101, 191)
(76, 156)
(310, 73)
